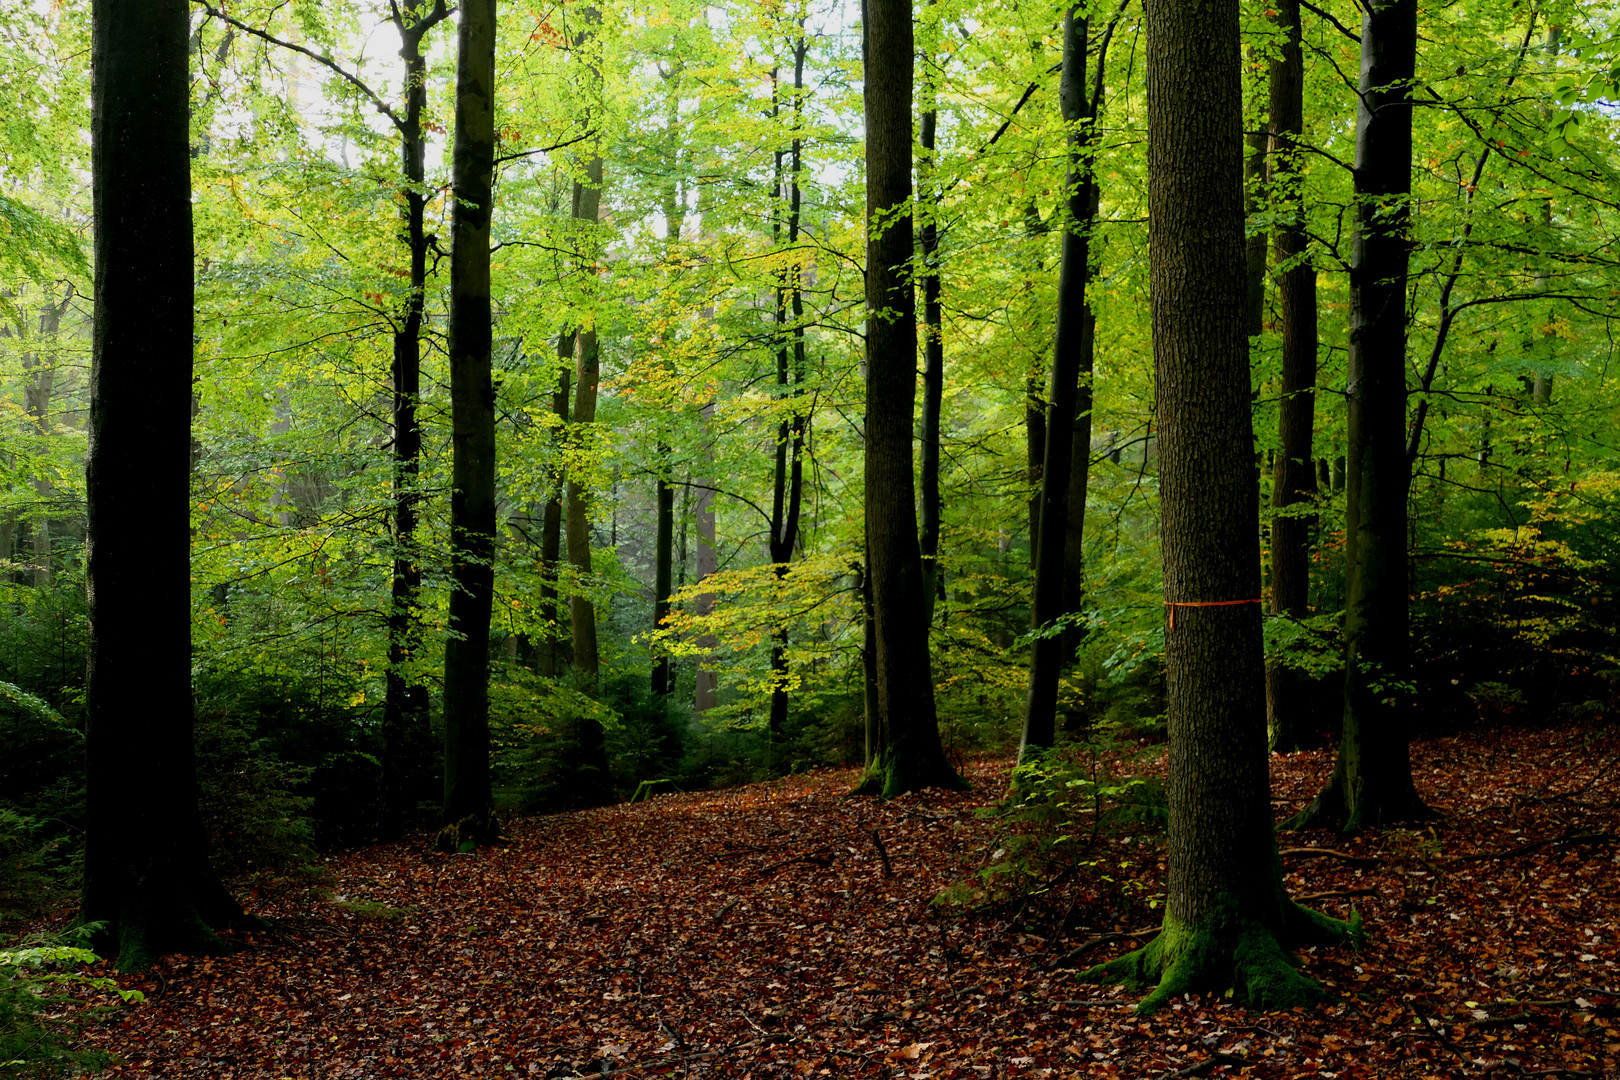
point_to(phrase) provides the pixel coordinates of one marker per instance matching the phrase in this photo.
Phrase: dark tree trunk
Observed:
(706, 689)
(146, 873)
(1289, 690)
(39, 369)
(788, 480)
(871, 712)
(1070, 354)
(406, 737)
(1227, 918)
(912, 757)
(1254, 244)
(550, 656)
(930, 197)
(468, 802)
(596, 782)
(663, 683)
(1372, 778)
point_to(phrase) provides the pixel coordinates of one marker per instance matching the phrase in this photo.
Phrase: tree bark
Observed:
(146, 873)
(468, 801)
(913, 756)
(706, 691)
(788, 480)
(1372, 777)
(550, 656)
(39, 367)
(592, 758)
(1227, 918)
(406, 735)
(1288, 690)
(930, 197)
(1064, 406)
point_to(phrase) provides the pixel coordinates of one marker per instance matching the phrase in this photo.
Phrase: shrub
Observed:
(34, 1040)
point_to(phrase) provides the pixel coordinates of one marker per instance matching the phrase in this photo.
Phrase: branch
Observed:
(325, 61)
(545, 149)
(1319, 13)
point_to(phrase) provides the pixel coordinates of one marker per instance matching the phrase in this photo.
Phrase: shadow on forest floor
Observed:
(751, 932)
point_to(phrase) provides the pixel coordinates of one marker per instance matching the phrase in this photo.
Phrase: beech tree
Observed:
(911, 755)
(146, 872)
(1294, 480)
(1227, 920)
(1372, 776)
(468, 804)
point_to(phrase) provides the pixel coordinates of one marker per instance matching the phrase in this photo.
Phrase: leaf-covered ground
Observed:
(753, 933)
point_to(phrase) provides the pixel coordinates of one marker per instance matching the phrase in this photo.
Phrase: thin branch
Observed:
(325, 61)
(545, 149)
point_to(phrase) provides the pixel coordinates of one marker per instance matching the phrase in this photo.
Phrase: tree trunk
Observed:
(550, 656)
(146, 873)
(1227, 918)
(1289, 690)
(406, 735)
(592, 748)
(788, 480)
(468, 801)
(663, 683)
(1372, 778)
(930, 197)
(706, 693)
(1069, 356)
(913, 757)
(39, 365)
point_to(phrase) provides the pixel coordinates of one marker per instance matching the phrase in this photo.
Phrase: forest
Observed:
(800, 538)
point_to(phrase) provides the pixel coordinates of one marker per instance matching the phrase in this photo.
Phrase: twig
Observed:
(888, 871)
(723, 912)
(1331, 893)
(1534, 845)
(1329, 853)
(1103, 939)
(813, 857)
(1201, 1068)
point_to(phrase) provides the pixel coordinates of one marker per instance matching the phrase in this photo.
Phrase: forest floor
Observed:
(753, 932)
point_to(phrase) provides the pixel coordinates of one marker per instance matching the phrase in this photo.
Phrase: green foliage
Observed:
(1061, 804)
(285, 761)
(35, 1039)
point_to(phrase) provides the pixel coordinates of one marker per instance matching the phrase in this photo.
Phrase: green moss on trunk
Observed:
(1228, 953)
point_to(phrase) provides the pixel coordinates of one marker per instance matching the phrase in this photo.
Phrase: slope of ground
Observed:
(754, 933)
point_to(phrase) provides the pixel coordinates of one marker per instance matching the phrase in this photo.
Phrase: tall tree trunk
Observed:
(1254, 244)
(1069, 353)
(913, 756)
(706, 694)
(788, 486)
(592, 749)
(468, 800)
(1227, 917)
(871, 711)
(146, 873)
(663, 682)
(1288, 690)
(550, 656)
(406, 734)
(1372, 777)
(39, 365)
(930, 198)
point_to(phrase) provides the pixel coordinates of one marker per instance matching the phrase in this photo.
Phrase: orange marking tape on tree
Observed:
(1173, 604)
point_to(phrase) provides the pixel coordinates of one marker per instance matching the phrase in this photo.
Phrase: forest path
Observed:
(752, 932)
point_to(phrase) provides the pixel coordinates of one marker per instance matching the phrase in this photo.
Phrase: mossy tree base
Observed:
(1228, 953)
(1332, 810)
(894, 774)
(469, 833)
(156, 921)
